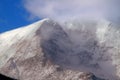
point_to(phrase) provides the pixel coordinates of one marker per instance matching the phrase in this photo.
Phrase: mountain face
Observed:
(46, 50)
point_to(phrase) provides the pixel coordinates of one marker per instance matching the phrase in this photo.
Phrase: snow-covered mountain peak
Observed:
(10, 38)
(46, 48)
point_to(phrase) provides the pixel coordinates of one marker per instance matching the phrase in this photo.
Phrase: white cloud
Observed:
(65, 9)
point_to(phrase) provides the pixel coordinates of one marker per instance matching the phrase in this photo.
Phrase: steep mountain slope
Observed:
(47, 51)
(100, 41)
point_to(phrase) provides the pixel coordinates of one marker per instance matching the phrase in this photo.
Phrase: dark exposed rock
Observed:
(3, 77)
(89, 76)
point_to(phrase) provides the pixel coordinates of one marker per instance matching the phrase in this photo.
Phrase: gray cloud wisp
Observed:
(68, 9)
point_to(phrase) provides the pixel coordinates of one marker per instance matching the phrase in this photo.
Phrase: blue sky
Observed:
(17, 13)
(13, 15)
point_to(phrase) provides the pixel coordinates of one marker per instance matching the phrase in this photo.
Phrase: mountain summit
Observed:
(47, 50)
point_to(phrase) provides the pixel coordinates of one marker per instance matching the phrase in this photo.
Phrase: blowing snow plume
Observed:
(68, 9)
(90, 42)
(85, 47)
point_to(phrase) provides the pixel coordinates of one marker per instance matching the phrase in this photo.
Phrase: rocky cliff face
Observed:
(47, 51)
